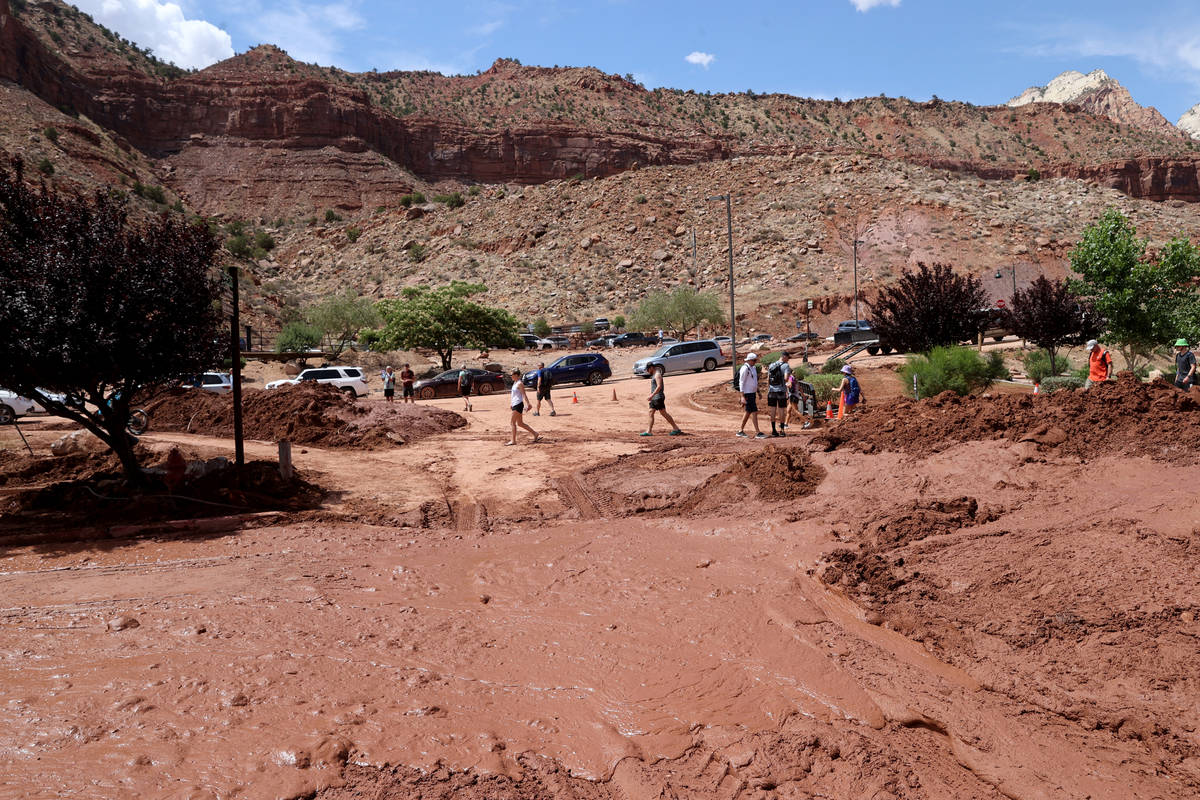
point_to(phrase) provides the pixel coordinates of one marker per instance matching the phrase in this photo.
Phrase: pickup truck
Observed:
(634, 340)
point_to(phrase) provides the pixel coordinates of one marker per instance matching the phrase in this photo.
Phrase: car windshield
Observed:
(662, 351)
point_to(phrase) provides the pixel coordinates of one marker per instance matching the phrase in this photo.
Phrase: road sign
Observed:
(999, 304)
(810, 305)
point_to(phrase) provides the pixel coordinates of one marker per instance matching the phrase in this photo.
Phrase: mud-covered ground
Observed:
(998, 608)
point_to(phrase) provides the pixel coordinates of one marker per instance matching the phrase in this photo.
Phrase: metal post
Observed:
(857, 242)
(732, 315)
(1014, 272)
(235, 364)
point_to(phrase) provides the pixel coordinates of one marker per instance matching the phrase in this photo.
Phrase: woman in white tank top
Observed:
(517, 403)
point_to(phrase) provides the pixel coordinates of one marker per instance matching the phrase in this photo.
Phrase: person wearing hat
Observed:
(1185, 365)
(1099, 364)
(777, 392)
(849, 391)
(748, 386)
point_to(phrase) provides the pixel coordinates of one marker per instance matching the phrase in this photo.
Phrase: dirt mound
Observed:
(303, 414)
(768, 474)
(1123, 416)
(920, 520)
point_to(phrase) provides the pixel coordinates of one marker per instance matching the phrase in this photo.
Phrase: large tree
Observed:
(98, 307)
(1143, 301)
(443, 319)
(1051, 316)
(680, 311)
(340, 317)
(929, 307)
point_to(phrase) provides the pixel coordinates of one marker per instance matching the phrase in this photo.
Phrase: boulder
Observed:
(79, 441)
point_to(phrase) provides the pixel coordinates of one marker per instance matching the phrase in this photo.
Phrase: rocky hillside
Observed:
(263, 135)
(1101, 95)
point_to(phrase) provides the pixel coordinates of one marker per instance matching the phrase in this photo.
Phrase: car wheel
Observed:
(595, 377)
(349, 392)
(485, 388)
(428, 393)
(998, 338)
(873, 349)
(710, 364)
(7, 415)
(139, 421)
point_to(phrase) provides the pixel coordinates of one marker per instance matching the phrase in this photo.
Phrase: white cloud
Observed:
(163, 28)
(487, 28)
(866, 5)
(1172, 52)
(310, 32)
(700, 59)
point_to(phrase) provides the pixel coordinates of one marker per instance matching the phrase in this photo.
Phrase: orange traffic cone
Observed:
(1037, 388)
(574, 397)
(614, 395)
(828, 409)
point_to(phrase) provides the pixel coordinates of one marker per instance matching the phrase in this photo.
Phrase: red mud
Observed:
(1123, 416)
(318, 415)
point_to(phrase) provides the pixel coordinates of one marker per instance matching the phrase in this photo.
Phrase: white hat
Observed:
(1091, 344)
(751, 356)
(847, 369)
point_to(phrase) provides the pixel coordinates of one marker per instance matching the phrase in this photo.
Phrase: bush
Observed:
(931, 306)
(588, 327)
(825, 386)
(332, 216)
(541, 327)
(1038, 368)
(474, 191)
(453, 200)
(238, 246)
(51, 134)
(264, 241)
(416, 198)
(832, 366)
(1033, 175)
(297, 337)
(957, 369)
(368, 338)
(1057, 383)
(640, 199)
(416, 253)
(45, 167)
(353, 233)
(618, 322)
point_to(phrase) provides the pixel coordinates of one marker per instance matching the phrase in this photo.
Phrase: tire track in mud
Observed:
(575, 496)
(469, 516)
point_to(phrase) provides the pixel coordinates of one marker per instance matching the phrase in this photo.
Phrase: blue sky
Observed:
(975, 50)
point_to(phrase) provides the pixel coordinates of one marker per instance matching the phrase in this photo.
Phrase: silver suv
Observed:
(682, 356)
(349, 379)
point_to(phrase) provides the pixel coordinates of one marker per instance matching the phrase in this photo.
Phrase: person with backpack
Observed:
(850, 392)
(748, 386)
(465, 381)
(777, 383)
(545, 380)
(1099, 364)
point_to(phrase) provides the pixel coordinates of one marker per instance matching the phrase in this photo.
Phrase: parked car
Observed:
(218, 382)
(667, 340)
(603, 341)
(591, 368)
(800, 337)
(554, 342)
(349, 379)
(602, 323)
(446, 384)
(633, 339)
(531, 341)
(703, 355)
(12, 405)
(762, 337)
(722, 339)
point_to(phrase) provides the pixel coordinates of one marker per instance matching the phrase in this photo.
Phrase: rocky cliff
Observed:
(1099, 94)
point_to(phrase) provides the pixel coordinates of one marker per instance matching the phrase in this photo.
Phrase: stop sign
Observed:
(999, 304)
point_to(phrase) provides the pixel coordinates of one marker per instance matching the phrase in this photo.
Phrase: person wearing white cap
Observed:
(1099, 364)
(748, 386)
(849, 391)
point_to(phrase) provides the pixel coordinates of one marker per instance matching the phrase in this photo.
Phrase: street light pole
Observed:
(1000, 275)
(732, 317)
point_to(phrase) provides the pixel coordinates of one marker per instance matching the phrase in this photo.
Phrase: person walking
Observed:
(658, 401)
(465, 381)
(407, 378)
(850, 392)
(545, 380)
(517, 404)
(1185, 365)
(748, 386)
(1099, 364)
(777, 384)
(389, 384)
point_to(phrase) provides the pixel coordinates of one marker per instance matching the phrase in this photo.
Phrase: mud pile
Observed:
(1124, 416)
(303, 414)
(768, 474)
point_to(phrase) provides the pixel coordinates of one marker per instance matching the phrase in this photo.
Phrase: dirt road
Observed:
(605, 616)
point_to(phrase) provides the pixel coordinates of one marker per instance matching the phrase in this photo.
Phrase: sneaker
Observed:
(775, 434)
(742, 434)
(675, 433)
(537, 413)
(760, 435)
(807, 425)
(645, 433)
(554, 413)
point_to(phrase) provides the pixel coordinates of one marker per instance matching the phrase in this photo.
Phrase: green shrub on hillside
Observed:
(297, 337)
(957, 369)
(832, 366)
(1037, 365)
(825, 386)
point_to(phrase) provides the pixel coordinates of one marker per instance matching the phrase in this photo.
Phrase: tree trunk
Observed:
(447, 356)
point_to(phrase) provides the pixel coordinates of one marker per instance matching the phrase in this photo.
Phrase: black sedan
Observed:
(446, 384)
(634, 340)
(590, 368)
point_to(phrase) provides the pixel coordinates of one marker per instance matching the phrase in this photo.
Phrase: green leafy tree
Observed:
(541, 327)
(297, 336)
(680, 311)
(339, 317)
(1144, 302)
(443, 319)
(100, 308)
(618, 322)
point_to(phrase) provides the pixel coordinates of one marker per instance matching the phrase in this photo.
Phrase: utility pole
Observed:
(732, 316)
(857, 242)
(235, 364)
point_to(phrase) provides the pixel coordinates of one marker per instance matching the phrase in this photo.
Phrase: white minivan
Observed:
(682, 356)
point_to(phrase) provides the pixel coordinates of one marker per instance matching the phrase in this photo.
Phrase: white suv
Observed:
(349, 379)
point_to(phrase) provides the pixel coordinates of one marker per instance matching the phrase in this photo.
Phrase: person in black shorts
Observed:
(545, 380)
(465, 381)
(777, 383)
(516, 403)
(658, 401)
(748, 385)
(388, 376)
(407, 377)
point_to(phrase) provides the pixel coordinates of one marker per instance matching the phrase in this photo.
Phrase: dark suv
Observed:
(633, 340)
(590, 368)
